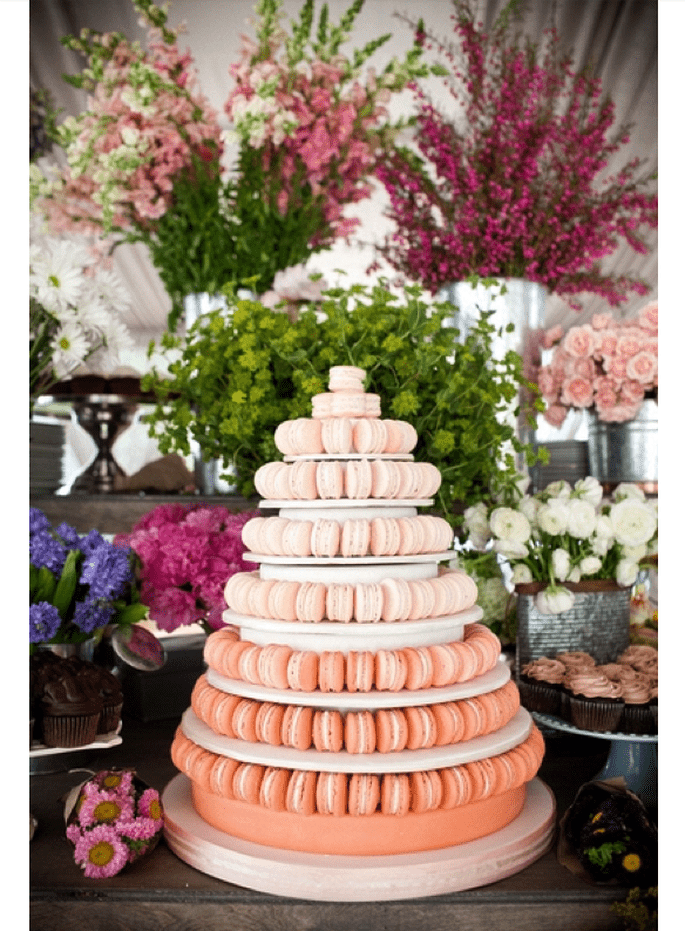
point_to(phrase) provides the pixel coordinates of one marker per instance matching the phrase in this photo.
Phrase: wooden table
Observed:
(161, 891)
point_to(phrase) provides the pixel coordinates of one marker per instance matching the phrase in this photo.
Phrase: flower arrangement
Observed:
(187, 553)
(235, 376)
(513, 185)
(78, 584)
(113, 819)
(145, 162)
(609, 365)
(74, 302)
(563, 535)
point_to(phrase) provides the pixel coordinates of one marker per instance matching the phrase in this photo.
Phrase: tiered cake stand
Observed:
(633, 756)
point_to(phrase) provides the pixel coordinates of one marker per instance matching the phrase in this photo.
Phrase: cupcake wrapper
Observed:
(595, 714)
(70, 730)
(538, 696)
(109, 719)
(638, 719)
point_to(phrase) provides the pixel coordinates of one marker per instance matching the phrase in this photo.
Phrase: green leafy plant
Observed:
(238, 373)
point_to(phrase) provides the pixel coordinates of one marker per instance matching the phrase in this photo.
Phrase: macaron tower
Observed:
(354, 705)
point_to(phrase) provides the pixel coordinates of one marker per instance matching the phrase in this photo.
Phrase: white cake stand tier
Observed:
(358, 879)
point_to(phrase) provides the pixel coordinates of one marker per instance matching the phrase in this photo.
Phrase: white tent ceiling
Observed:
(618, 36)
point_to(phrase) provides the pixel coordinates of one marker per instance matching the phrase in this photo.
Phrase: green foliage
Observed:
(639, 912)
(237, 375)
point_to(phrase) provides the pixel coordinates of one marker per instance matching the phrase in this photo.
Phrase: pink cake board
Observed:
(358, 879)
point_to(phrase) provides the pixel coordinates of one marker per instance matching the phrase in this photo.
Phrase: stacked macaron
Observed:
(354, 676)
(390, 599)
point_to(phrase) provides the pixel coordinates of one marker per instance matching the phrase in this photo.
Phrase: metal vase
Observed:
(626, 452)
(598, 624)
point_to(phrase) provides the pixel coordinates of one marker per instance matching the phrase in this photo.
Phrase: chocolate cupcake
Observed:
(70, 712)
(595, 703)
(637, 716)
(108, 688)
(540, 685)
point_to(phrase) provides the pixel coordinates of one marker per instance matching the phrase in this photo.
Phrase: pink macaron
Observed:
(258, 597)
(457, 787)
(360, 671)
(419, 668)
(282, 600)
(244, 719)
(364, 793)
(273, 788)
(423, 732)
(297, 538)
(273, 665)
(331, 794)
(269, 723)
(397, 600)
(385, 478)
(426, 790)
(385, 536)
(336, 435)
(301, 793)
(340, 602)
(368, 602)
(329, 479)
(355, 537)
(296, 726)
(369, 436)
(358, 479)
(449, 723)
(348, 378)
(247, 781)
(392, 730)
(395, 794)
(349, 404)
(328, 730)
(360, 732)
(303, 670)
(391, 670)
(302, 479)
(331, 671)
(325, 537)
(310, 605)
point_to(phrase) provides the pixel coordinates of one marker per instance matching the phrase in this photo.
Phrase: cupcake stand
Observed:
(632, 756)
(359, 878)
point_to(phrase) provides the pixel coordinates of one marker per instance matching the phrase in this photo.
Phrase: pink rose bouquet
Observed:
(512, 184)
(187, 554)
(607, 365)
(113, 819)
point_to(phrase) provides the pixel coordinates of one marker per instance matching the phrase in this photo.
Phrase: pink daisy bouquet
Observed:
(113, 819)
(607, 365)
(513, 183)
(145, 161)
(187, 554)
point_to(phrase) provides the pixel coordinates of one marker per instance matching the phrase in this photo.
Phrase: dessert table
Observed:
(161, 891)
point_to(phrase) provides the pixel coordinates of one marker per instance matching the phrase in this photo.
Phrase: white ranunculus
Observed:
(628, 490)
(601, 545)
(510, 549)
(510, 525)
(476, 523)
(626, 572)
(553, 517)
(561, 564)
(560, 489)
(632, 521)
(589, 489)
(529, 508)
(604, 527)
(554, 600)
(521, 574)
(574, 574)
(582, 519)
(590, 565)
(634, 553)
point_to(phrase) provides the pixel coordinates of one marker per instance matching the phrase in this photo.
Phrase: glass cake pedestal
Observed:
(632, 756)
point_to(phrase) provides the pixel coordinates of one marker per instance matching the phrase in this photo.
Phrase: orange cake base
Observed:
(366, 835)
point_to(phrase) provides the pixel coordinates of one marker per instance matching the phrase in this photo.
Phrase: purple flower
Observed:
(45, 550)
(67, 533)
(37, 521)
(44, 622)
(92, 615)
(92, 541)
(107, 570)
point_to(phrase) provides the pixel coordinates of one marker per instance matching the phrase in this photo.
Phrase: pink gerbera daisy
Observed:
(101, 852)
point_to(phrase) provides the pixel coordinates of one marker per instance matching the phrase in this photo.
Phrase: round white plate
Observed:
(352, 701)
(358, 879)
(344, 503)
(404, 457)
(350, 561)
(403, 761)
(383, 635)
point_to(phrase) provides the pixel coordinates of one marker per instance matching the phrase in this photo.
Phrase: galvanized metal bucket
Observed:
(625, 452)
(598, 623)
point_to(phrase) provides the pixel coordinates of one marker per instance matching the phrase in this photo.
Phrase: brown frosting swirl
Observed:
(641, 657)
(637, 691)
(576, 660)
(545, 670)
(590, 683)
(69, 696)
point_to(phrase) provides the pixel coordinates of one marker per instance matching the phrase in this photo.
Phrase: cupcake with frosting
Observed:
(540, 684)
(637, 716)
(70, 712)
(595, 702)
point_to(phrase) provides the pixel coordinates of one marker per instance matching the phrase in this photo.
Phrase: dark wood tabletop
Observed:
(161, 891)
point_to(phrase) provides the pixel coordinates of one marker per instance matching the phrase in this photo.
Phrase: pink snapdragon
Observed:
(520, 191)
(607, 365)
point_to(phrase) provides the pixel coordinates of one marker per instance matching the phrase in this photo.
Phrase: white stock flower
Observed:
(554, 600)
(476, 522)
(589, 489)
(632, 521)
(552, 517)
(582, 519)
(510, 525)
(626, 572)
(590, 565)
(521, 574)
(561, 564)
